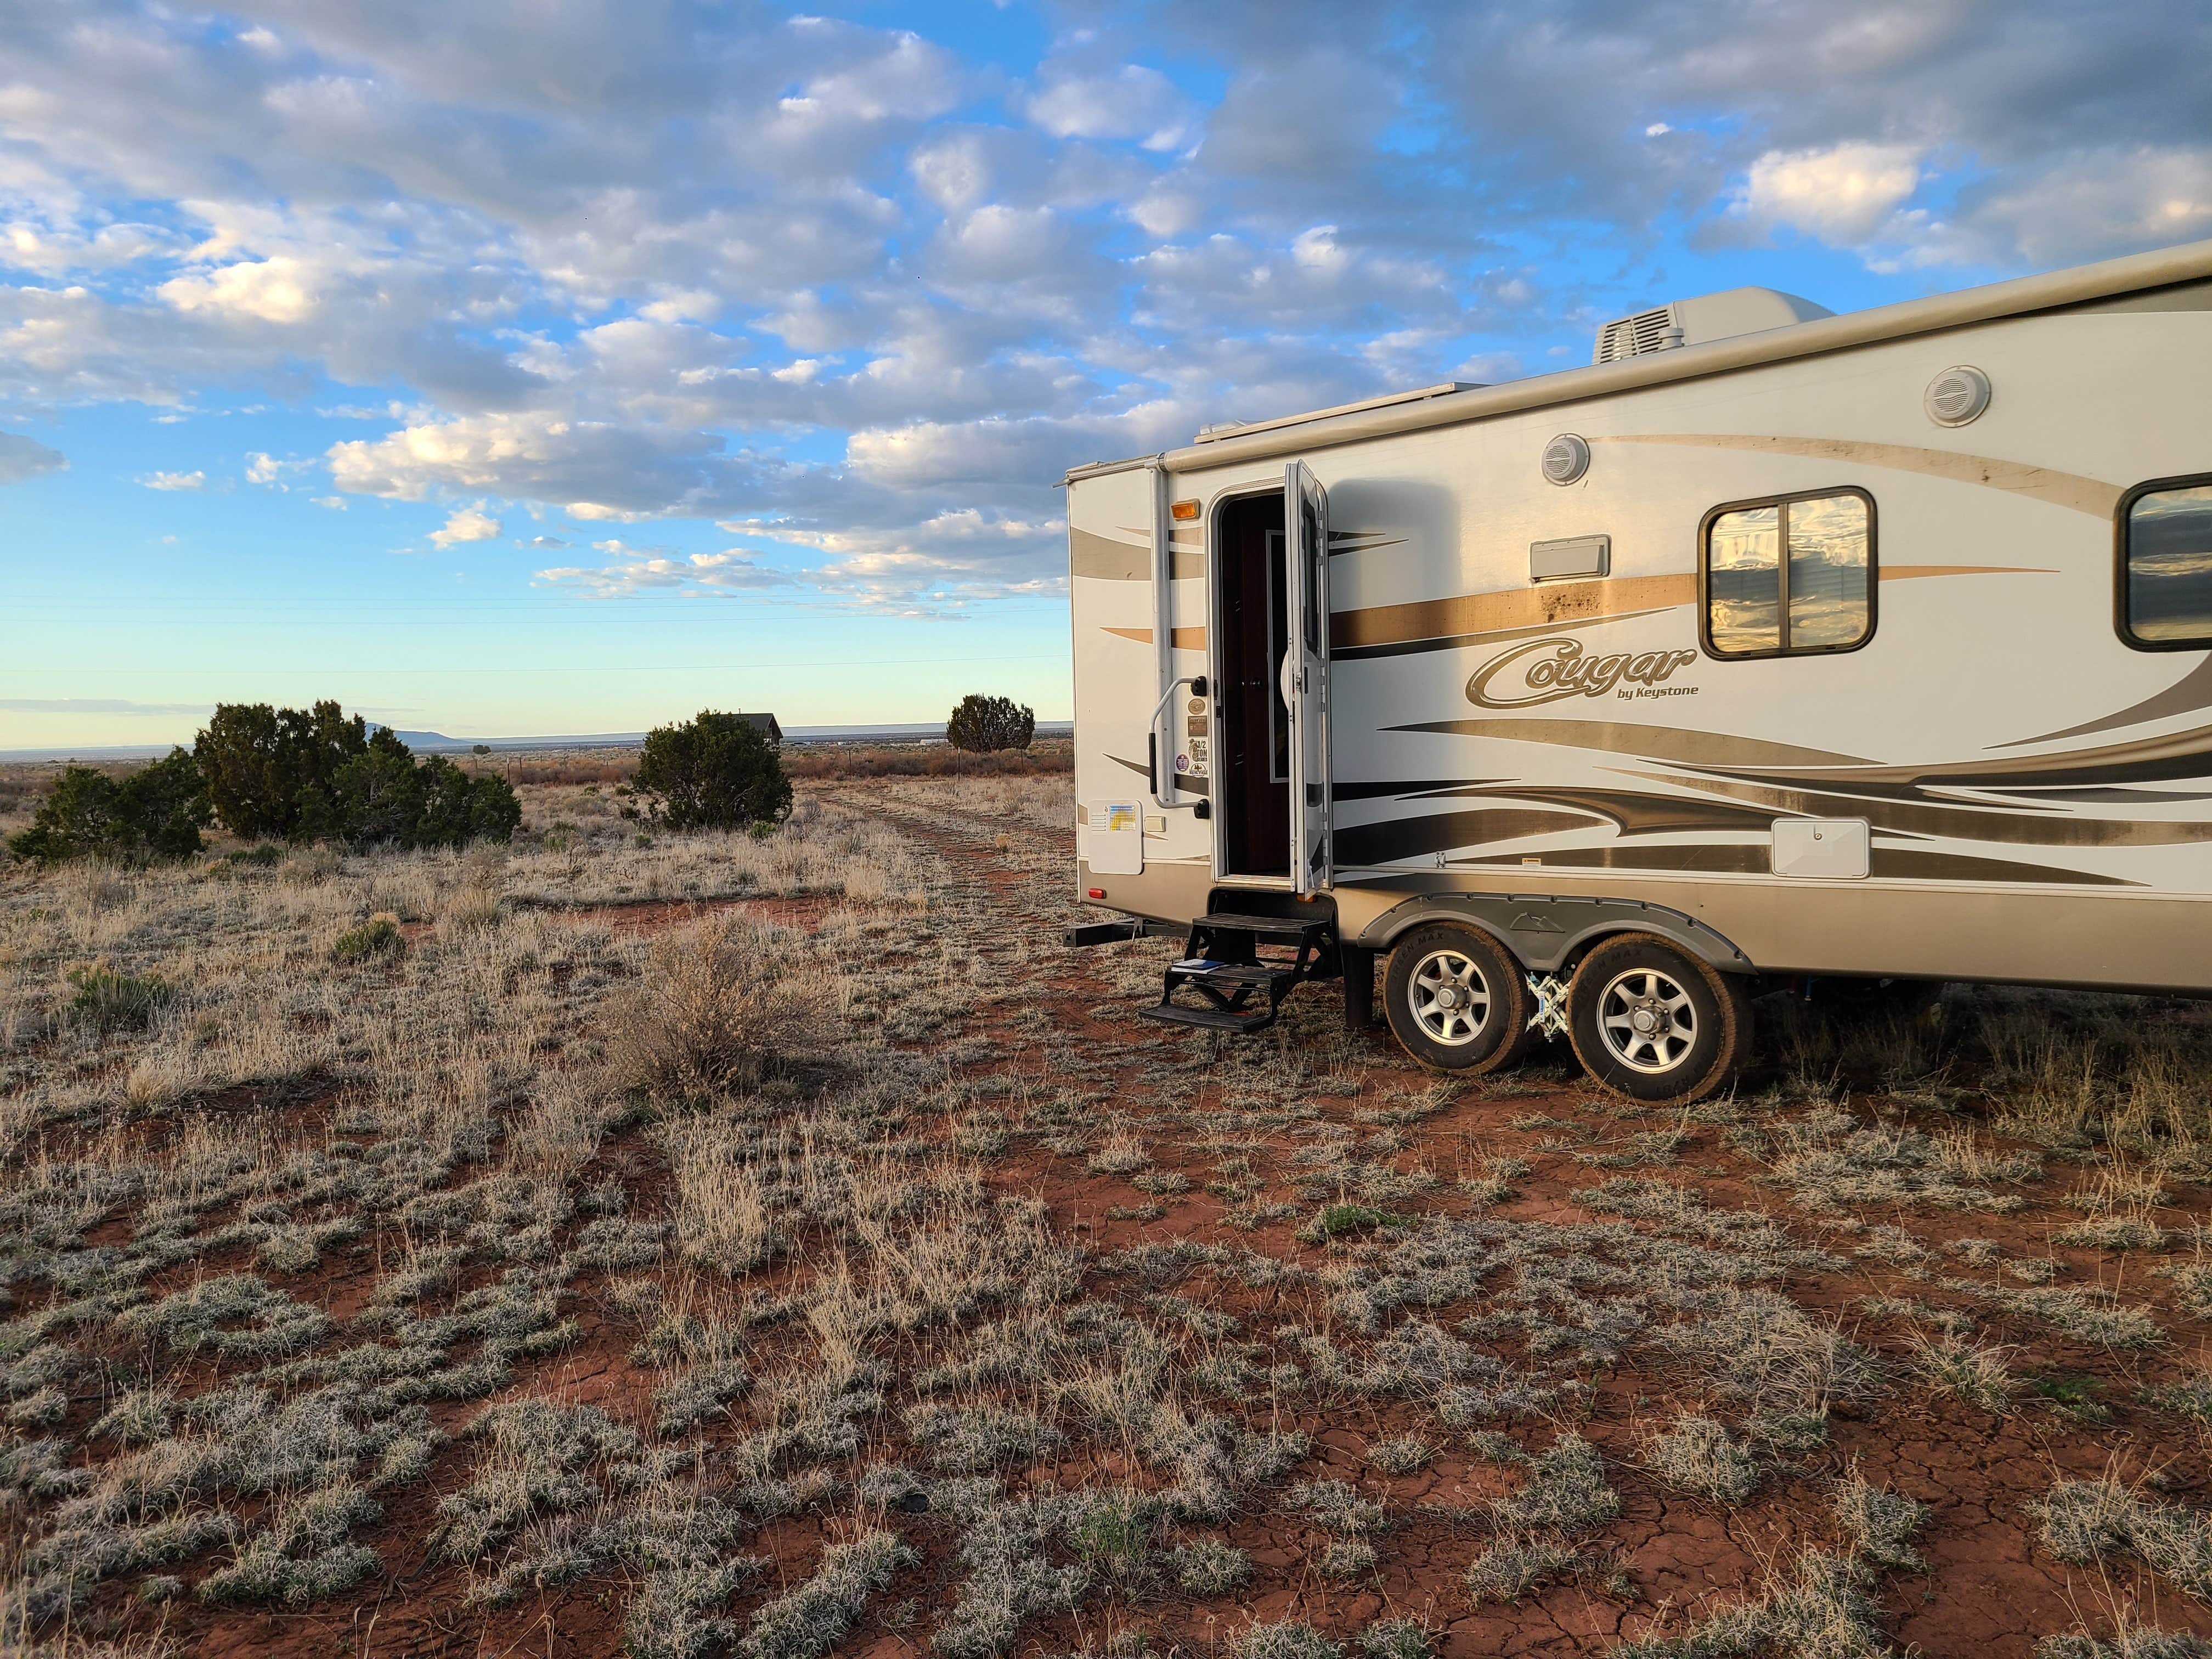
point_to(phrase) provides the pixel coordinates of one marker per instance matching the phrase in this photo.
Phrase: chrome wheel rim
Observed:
(1448, 998)
(1647, 1021)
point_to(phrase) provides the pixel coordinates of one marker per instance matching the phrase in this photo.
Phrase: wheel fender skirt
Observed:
(1546, 931)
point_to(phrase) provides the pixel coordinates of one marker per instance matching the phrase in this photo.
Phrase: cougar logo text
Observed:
(1544, 671)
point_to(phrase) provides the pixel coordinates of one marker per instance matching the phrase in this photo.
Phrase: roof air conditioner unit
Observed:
(1696, 321)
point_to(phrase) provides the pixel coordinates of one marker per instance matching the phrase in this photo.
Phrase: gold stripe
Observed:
(2005, 825)
(1552, 605)
(1110, 559)
(2068, 489)
(1104, 558)
(1655, 741)
(1567, 604)
(1185, 639)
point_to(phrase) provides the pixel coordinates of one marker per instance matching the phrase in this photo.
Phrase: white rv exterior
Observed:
(1877, 645)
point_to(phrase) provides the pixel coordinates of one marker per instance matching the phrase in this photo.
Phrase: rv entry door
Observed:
(1305, 675)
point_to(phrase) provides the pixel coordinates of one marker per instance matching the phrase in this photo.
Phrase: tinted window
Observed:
(1792, 576)
(2167, 551)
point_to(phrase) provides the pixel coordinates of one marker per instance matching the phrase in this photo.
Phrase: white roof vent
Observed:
(1708, 317)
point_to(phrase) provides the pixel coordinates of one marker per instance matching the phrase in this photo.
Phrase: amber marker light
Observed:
(1183, 512)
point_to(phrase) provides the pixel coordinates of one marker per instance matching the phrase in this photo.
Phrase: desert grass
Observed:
(787, 1243)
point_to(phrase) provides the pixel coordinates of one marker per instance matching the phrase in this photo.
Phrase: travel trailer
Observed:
(1774, 645)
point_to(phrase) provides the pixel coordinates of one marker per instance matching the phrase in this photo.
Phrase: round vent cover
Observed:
(1956, 395)
(1566, 457)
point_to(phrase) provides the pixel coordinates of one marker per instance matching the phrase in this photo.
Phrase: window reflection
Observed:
(1791, 575)
(1743, 581)
(1827, 572)
(2169, 565)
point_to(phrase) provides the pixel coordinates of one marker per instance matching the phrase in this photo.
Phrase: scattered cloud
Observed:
(867, 297)
(625, 575)
(467, 524)
(1131, 101)
(1845, 195)
(22, 458)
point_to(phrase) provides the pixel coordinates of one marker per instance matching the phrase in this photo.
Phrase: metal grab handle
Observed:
(1197, 682)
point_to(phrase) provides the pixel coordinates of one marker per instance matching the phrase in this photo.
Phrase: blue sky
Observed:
(506, 367)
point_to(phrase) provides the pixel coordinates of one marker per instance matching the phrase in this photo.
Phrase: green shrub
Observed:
(156, 813)
(982, 724)
(458, 809)
(378, 934)
(376, 797)
(117, 1002)
(263, 857)
(314, 774)
(270, 771)
(714, 772)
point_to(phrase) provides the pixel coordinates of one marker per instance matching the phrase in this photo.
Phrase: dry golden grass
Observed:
(848, 1215)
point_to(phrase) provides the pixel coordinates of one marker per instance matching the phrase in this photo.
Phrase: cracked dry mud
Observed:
(507, 1291)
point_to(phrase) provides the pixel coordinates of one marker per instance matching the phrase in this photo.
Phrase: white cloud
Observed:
(954, 558)
(336, 503)
(467, 524)
(22, 458)
(194, 480)
(1132, 102)
(595, 468)
(1844, 194)
(631, 268)
(686, 306)
(2100, 203)
(632, 571)
(51, 251)
(281, 290)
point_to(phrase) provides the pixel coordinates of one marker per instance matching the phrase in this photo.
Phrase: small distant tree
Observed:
(714, 772)
(981, 724)
(156, 813)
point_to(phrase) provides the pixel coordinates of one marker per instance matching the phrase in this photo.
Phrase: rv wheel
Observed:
(1654, 1023)
(1457, 1000)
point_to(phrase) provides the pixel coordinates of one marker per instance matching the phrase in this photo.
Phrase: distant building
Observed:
(765, 725)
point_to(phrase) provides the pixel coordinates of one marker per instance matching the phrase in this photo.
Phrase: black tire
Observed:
(1431, 968)
(1651, 1023)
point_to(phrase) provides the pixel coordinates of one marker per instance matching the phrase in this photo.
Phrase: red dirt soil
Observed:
(1989, 1588)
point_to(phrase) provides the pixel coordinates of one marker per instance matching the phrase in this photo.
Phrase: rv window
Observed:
(2166, 562)
(1789, 576)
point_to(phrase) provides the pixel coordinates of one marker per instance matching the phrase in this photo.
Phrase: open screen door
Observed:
(1306, 676)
